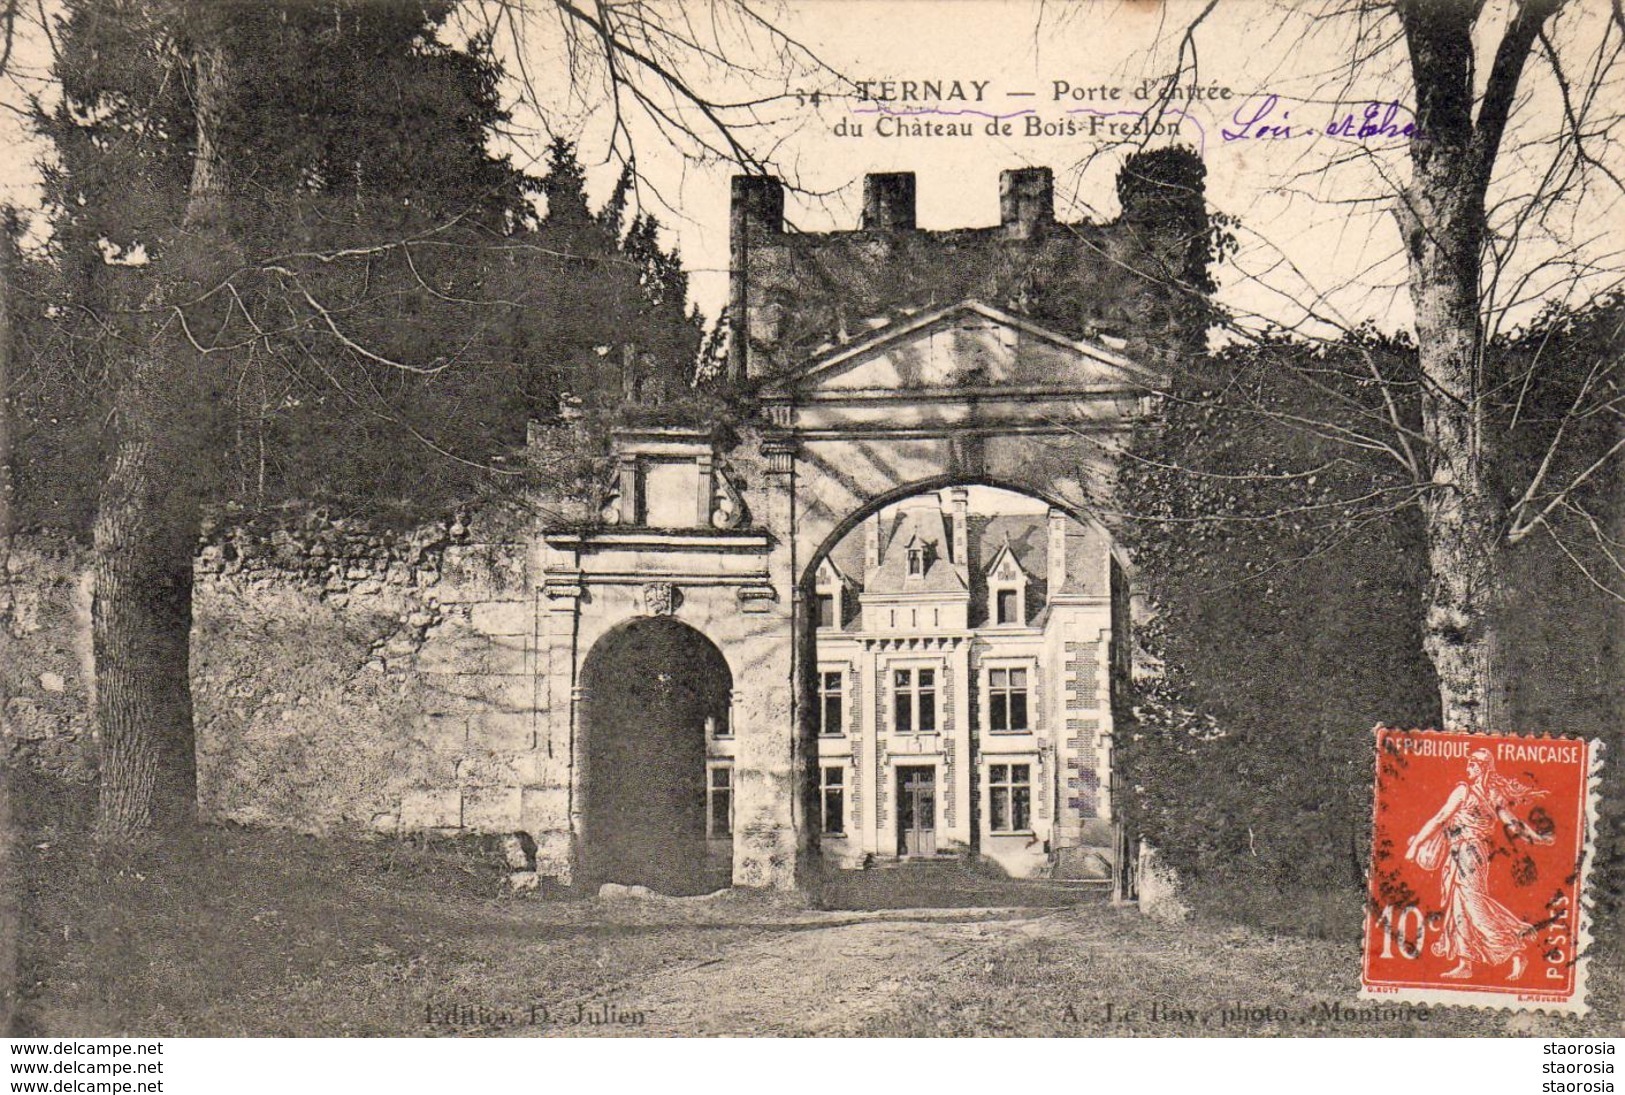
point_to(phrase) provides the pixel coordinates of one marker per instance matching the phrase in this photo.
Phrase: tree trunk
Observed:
(8, 275)
(147, 517)
(10, 906)
(141, 626)
(1442, 217)
(1459, 625)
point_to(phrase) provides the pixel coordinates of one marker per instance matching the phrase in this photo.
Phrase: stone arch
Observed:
(653, 691)
(855, 474)
(811, 662)
(832, 534)
(963, 395)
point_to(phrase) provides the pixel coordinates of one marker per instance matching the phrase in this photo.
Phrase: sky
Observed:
(1312, 199)
(1033, 68)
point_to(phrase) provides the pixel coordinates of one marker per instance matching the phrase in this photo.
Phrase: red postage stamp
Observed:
(1481, 846)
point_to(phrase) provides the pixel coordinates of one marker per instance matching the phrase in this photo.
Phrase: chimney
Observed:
(871, 541)
(959, 502)
(1026, 201)
(756, 207)
(1057, 551)
(888, 202)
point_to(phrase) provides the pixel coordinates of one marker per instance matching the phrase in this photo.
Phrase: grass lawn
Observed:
(270, 933)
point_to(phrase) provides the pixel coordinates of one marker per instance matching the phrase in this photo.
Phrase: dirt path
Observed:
(822, 976)
(1085, 970)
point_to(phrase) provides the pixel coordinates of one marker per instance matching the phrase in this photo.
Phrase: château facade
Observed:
(958, 711)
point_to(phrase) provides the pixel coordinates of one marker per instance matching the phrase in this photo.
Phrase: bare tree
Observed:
(662, 71)
(1502, 201)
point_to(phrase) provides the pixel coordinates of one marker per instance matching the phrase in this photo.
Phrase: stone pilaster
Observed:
(771, 835)
(865, 751)
(551, 811)
(960, 752)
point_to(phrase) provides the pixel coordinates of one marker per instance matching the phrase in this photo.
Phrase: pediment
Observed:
(1005, 567)
(967, 346)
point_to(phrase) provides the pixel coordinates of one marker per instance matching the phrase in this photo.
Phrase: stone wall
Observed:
(344, 678)
(45, 660)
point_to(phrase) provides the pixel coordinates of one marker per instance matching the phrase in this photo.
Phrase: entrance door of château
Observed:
(916, 811)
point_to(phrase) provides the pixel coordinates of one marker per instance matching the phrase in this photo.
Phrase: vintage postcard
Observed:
(679, 518)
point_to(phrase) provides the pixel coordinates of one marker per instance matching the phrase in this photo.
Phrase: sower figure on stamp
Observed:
(1477, 927)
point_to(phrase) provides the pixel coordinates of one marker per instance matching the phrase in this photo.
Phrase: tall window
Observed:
(914, 701)
(1007, 700)
(828, 595)
(832, 790)
(719, 801)
(1009, 797)
(1007, 607)
(826, 610)
(831, 683)
(916, 562)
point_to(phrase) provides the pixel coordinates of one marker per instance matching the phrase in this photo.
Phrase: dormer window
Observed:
(1006, 591)
(1006, 610)
(826, 610)
(827, 595)
(920, 554)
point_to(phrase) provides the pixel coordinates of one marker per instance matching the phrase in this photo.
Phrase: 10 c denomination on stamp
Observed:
(1481, 845)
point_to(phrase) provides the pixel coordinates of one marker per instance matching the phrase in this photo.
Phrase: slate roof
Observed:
(1029, 542)
(924, 518)
(919, 521)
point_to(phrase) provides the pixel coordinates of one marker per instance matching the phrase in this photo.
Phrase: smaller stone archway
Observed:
(653, 692)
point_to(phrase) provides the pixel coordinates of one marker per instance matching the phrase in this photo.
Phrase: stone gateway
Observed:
(807, 639)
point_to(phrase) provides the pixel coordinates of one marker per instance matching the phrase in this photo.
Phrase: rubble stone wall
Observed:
(343, 678)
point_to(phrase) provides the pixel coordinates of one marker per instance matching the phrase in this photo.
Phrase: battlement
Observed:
(792, 293)
(1026, 202)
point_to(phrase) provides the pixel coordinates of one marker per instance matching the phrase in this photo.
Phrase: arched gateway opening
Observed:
(653, 691)
(963, 638)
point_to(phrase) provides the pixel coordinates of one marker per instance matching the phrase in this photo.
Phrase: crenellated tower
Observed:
(1138, 282)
